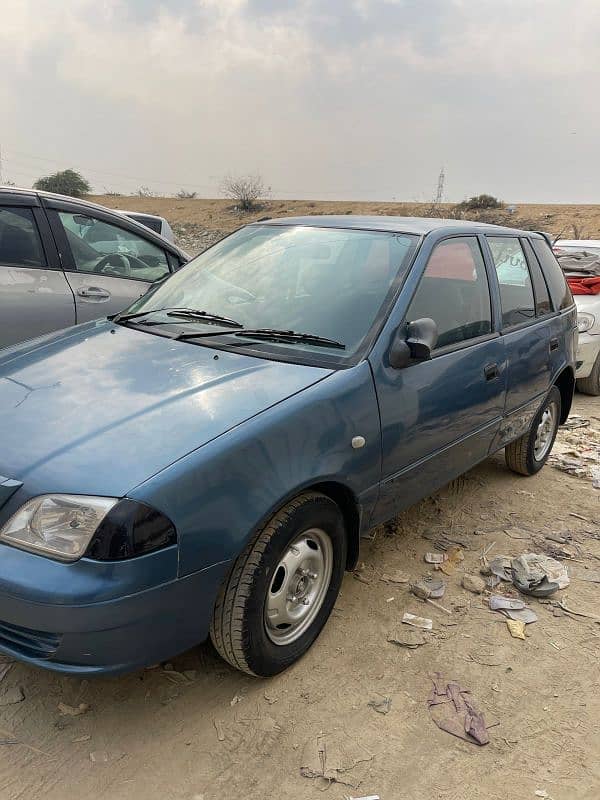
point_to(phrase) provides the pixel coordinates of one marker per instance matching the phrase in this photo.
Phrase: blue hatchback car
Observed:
(206, 462)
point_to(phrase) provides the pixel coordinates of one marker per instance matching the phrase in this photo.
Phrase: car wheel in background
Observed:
(528, 454)
(591, 384)
(282, 588)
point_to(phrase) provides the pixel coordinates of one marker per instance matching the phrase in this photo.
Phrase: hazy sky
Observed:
(354, 99)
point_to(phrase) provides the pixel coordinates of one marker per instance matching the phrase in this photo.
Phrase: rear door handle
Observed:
(554, 344)
(93, 293)
(491, 372)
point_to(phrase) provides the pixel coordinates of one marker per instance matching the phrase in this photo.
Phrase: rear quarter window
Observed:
(557, 284)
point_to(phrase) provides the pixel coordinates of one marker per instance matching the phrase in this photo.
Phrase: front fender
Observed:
(219, 495)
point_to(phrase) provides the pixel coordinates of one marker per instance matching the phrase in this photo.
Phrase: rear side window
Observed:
(542, 297)
(20, 243)
(516, 290)
(150, 222)
(454, 292)
(559, 290)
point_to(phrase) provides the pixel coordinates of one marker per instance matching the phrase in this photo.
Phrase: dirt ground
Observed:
(214, 734)
(568, 221)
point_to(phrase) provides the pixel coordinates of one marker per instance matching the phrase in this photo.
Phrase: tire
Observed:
(591, 384)
(520, 455)
(271, 580)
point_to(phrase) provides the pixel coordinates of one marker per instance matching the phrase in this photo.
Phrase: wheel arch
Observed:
(565, 383)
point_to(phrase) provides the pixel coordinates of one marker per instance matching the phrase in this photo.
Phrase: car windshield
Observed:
(327, 282)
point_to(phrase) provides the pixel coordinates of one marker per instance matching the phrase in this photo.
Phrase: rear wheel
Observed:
(591, 384)
(528, 454)
(282, 588)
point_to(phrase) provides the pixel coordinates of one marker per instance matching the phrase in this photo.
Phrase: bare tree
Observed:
(246, 190)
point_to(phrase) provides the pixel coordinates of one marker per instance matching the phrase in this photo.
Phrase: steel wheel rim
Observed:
(545, 432)
(299, 586)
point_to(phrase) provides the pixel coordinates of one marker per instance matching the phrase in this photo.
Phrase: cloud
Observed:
(361, 98)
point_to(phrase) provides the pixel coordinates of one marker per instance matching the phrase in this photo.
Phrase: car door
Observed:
(108, 266)
(35, 297)
(439, 417)
(525, 333)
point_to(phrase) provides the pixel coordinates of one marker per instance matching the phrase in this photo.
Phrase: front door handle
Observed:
(93, 293)
(554, 344)
(491, 372)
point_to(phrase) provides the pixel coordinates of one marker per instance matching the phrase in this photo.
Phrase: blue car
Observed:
(206, 462)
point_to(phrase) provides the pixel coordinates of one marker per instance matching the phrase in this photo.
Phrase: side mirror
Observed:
(416, 341)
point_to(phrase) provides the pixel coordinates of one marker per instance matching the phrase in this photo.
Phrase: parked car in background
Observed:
(152, 221)
(65, 261)
(588, 310)
(207, 461)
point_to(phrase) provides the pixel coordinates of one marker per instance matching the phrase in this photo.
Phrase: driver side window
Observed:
(102, 248)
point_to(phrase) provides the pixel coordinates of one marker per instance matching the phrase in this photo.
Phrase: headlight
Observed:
(60, 525)
(585, 321)
(68, 526)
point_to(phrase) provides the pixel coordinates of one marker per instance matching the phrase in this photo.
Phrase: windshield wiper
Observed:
(272, 335)
(183, 313)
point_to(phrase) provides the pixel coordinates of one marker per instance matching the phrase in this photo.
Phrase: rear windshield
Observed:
(557, 285)
(150, 222)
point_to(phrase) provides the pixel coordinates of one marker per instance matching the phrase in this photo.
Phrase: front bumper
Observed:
(62, 628)
(587, 352)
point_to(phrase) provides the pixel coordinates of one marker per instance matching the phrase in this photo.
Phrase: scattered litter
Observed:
(525, 615)
(390, 599)
(492, 581)
(73, 711)
(435, 558)
(538, 575)
(576, 421)
(429, 587)
(11, 696)
(337, 759)
(499, 602)
(219, 729)
(417, 622)
(395, 577)
(500, 566)
(270, 698)
(85, 738)
(407, 637)
(99, 757)
(542, 793)
(454, 557)
(366, 797)
(381, 706)
(563, 604)
(361, 578)
(237, 698)
(578, 516)
(473, 583)
(516, 628)
(453, 711)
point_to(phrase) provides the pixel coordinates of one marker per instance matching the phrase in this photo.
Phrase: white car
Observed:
(588, 321)
(152, 221)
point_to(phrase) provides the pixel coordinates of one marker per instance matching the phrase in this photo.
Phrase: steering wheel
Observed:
(119, 264)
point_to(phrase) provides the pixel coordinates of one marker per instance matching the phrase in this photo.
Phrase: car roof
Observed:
(128, 212)
(578, 242)
(86, 204)
(420, 226)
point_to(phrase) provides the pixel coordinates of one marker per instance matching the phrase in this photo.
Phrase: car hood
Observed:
(99, 408)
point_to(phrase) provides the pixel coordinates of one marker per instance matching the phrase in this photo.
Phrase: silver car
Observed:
(65, 261)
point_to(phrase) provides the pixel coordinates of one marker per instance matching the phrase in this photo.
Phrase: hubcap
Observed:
(545, 432)
(299, 586)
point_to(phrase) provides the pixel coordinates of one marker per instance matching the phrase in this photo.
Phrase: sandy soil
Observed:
(218, 735)
(219, 215)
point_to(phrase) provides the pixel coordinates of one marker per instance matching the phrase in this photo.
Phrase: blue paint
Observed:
(218, 440)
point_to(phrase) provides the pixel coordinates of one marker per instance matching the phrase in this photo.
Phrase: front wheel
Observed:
(528, 454)
(282, 587)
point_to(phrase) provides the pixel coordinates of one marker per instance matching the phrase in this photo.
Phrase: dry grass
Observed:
(565, 220)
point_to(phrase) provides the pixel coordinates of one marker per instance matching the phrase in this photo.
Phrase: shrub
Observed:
(481, 202)
(66, 182)
(183, 194)
(246, 190)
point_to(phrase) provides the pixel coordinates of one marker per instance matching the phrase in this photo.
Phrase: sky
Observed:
(324, 99)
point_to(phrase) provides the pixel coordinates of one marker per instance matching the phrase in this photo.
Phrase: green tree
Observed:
(66, 182)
